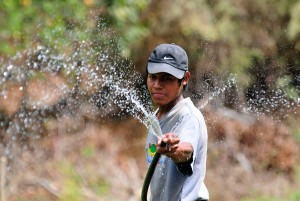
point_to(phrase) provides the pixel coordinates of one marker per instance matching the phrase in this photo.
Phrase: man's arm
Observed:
(178, 151)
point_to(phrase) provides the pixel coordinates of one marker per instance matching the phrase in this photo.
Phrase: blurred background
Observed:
(70, 70)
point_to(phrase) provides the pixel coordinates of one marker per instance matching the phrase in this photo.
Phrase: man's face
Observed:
(164, 88)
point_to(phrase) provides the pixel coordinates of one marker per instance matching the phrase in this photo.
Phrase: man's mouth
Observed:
(157, 95)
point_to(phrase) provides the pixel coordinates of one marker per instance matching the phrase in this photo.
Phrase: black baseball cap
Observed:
(168, 58)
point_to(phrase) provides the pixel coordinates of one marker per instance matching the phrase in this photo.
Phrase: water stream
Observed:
(84, 82)
(41, 85)
(45, 85)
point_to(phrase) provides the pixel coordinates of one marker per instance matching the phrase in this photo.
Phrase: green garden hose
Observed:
(149, 174)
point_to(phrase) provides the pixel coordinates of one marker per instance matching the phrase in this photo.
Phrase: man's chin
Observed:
(158, 103)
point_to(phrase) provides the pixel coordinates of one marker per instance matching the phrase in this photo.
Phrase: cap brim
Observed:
(164, 68)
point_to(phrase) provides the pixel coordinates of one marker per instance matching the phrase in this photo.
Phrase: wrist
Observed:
(185, 167)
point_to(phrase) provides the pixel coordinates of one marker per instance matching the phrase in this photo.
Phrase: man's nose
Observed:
(157, 84)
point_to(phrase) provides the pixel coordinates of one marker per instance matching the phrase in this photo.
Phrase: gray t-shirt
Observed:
(168, 183)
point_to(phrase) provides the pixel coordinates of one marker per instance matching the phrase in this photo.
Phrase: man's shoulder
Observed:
(190, 109)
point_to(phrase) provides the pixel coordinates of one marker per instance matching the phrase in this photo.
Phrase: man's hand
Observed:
(178, 151)
(171, 140)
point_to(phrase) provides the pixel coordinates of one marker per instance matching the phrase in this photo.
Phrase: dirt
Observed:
(105, 160)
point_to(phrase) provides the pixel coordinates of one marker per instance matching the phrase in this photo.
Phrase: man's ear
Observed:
(186, 78)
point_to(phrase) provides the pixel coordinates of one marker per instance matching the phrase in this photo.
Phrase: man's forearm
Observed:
(182, 154)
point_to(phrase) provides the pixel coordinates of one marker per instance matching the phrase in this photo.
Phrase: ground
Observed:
(96, 160)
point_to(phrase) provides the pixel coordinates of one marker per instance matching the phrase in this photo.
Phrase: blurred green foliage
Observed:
(294, 24)
(71, 188)
(51, 23)
(126, 18)
(88, 151)
(223, 37)
(258, 41)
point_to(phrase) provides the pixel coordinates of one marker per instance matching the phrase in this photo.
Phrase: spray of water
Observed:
(88, 81)
(274, 103)
(135, 101)
(94, 80)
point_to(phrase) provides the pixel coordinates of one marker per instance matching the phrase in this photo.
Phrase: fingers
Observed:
(170, 139)
(171, 144)
(170, 151)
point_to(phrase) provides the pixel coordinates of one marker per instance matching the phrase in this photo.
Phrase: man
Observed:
(179, 176)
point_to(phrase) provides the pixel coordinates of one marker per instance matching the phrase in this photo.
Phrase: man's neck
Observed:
(166, 108)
